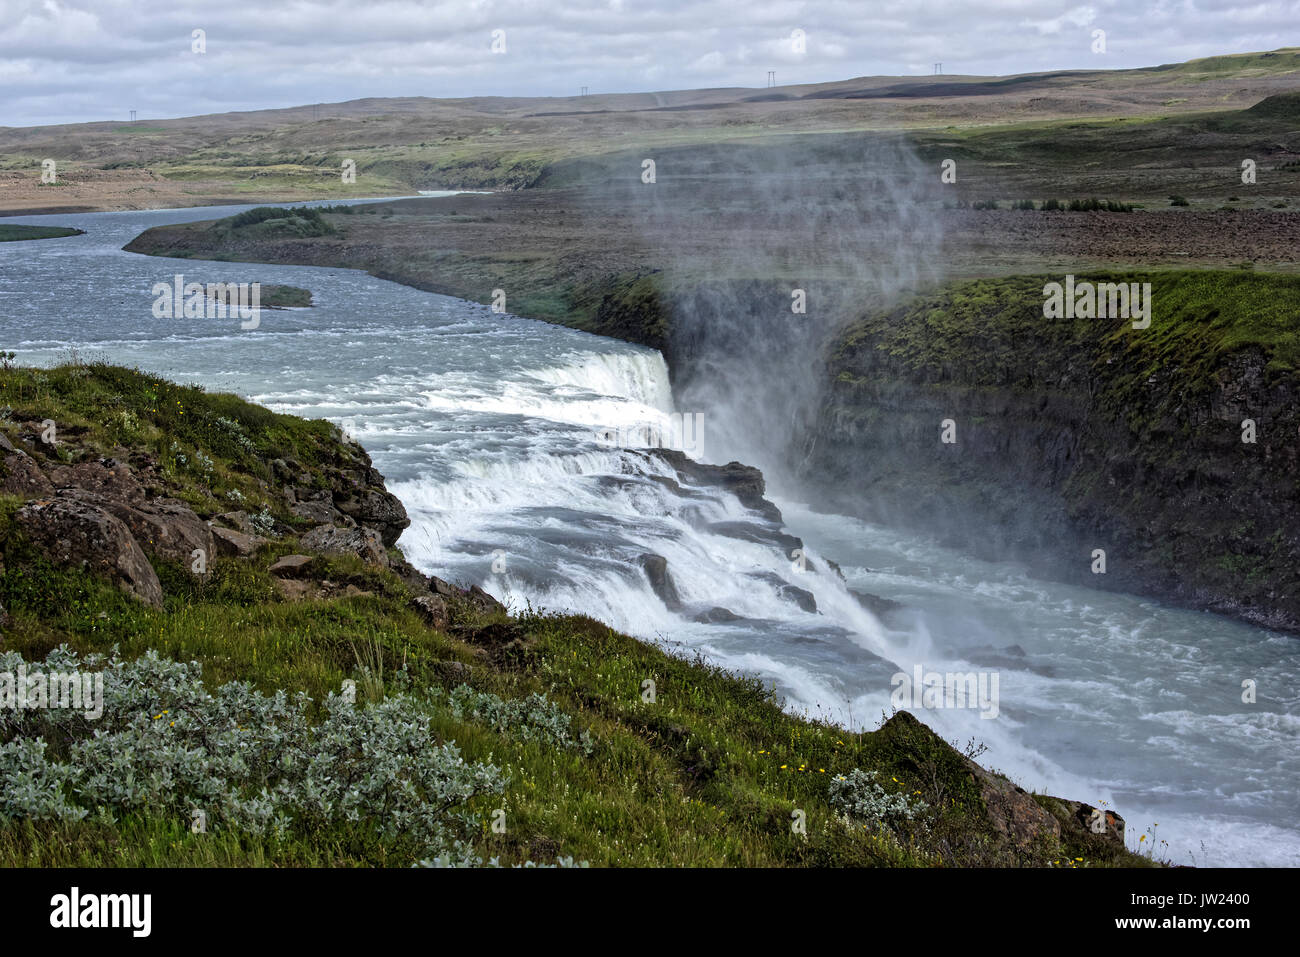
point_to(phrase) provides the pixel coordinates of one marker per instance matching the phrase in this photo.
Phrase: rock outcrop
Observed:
(109, 514)
(75, 533)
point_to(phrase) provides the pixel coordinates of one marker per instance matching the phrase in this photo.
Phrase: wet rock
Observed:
(332, 540)
(743, 481)
(787, 592)
(716, 615)
(874, 603)
(76, 533)
(760, 535)
(799, 596)
(661, 583)
(291, 566)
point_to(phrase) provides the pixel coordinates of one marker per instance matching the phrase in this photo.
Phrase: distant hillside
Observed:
(401, 145)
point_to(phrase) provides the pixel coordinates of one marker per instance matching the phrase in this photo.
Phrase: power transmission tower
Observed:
(938, 69)
(771, 78)
(133, 116)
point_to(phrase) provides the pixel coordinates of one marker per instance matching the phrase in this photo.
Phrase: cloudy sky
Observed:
(65, 61)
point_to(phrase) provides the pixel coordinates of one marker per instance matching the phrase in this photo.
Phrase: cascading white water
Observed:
(489, 429)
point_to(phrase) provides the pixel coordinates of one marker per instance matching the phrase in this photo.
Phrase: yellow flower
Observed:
(783, 767)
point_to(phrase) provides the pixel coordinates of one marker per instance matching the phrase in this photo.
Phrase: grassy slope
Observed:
(709, 775)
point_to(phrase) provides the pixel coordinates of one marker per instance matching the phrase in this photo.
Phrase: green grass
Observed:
(12, 232)
(708, 774)
(1198, 318)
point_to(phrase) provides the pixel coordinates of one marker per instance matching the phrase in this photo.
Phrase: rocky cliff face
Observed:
(1173, 449)
(110, 514)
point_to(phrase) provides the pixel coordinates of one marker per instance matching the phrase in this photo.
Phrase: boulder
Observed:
(716, 615)
(316, 507)
(444, 588)
(20, 475)
(743, 481)
(332, 540)
(483, 600)
(798, 596)
(107, 477)
(661, 583)
(72, 532)
(293, 589)
(291, 566)
(239, 521)
(237, 544)
(163, 526)
(377, 508)
(433, 609)
(787, 592)
(1098, 823)
(874, 603)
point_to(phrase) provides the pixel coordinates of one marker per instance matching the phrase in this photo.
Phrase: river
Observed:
(489, 428)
